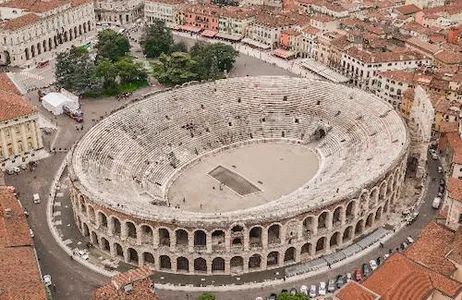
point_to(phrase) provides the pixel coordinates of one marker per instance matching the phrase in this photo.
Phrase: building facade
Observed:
(163, 10)
(118, 12)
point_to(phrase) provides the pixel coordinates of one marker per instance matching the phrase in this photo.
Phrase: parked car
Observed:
(322, 289)
(259, 298)
(442, 182)
(340, 281)
(386, 256)
(293, 291)
(304, 290)
(9, 171)
(404, 245)
(331, 285)
(357, 275)
(31, 233)
(440, 170)
(436, 203)
(47, 280)
(348, 277)
(409, 240)
(312, 292)
(36, 198)
(373, 264)
(273, 296)
(434, 156)
(366, 270)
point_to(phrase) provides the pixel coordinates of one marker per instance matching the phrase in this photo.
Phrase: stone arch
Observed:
(218, 265)
(237, 234)
(321, 245)
(236, 264)
(181, 237)
(86, 231)
(131, 230)
(359, 227)
(102, 219)
(165, 263)
(200, 265)
(363, 199)
(308, 226)
(323, 220)
(147, 234)
(218, 239)
(83, 204)
(105, 245)
(383, 190)
(305, 251)
(274, 234)
(118, 250)
(335, 240)
(290, 255)
(132, 256)
(350, 210)
(272, 259)
(91, 214)
(255, 237)
(200, 238)
(378, 214)
(390, 184)
(148, 259)
(385, 207)
(116, 226)
(182, 264)
(94, 238)
(255, 261)
(337, 216)
(347, 234)
(373, 197)
(370, 220)
(164, 237)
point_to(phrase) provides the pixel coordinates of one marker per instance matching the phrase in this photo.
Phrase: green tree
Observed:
(111, 45)
(206, 296)
(130, 71)
(108, 72)
(178, 47)
(213, 59)
(289, 296)
(74, 71)
(178, 69)
(157, 40)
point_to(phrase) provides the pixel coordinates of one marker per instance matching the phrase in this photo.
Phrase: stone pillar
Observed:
(227, 241)
(300, 231)
(191, 242)
(283, 233)
(157, 263)
(123, 231)
(245, 265)
(209, 242)
(24, 138)
(173, 263)
(39, 135)
(264, 261)
(140, 259)
(315, 226)
(113, 250)
(110, 227)
(329, 221)
(126, 260)
(209, 266)
(139, 235)
(191, 265)
(246, 239)
(5, 152)
(227, 266)
(14, 140)
(264, 237)
(155, 238)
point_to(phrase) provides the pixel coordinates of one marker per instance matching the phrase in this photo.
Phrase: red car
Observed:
(357, 275)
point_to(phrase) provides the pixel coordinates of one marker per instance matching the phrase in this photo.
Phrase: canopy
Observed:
(209, 33)
(284, 53)
(54, 102)
(255, 44)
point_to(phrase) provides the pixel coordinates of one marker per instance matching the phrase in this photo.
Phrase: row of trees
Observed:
(110, 72)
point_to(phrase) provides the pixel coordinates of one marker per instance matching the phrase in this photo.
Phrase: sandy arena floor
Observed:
(276, 169)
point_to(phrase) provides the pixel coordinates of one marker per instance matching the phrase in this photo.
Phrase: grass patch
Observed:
(132, 86)
(122, 88)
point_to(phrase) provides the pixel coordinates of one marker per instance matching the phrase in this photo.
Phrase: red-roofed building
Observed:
(454, 202)
(355, 291)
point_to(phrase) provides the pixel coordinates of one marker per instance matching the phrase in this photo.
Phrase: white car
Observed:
(322, 289)
(312, 292)
(409, 240)
(436, 203)
(47, 280)
(434, 156)
(440, 170)
(373, 264)
(386, 256)
(36, 198)
(31, 233)
(83, 254)
(259, 298)
(348, 277)
(304, 290)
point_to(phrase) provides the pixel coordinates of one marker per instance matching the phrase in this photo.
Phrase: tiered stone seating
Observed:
(131, 151)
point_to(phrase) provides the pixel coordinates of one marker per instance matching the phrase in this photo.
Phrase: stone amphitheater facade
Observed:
(120, 173)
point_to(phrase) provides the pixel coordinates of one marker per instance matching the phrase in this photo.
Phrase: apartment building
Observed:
(163, 10)
(118, 12)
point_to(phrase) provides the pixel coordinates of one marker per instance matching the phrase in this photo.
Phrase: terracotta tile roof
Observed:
(422, 45)
(408, 9)
(7, 85)
(449, 127)
(455, 189)
(37, 6)
(19, 275)
(455, 143)
(355, 291)
(431, 248)
(20, 22)
(399, 75)
(383, 57)
(400, 278)
(137, 279)
(13, 106)
(449, 57)
(456, 254)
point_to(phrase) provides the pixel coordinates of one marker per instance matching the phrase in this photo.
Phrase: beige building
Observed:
(235, 21)
(20, 135)
(118, 12)
(33, 31)
(164, 10)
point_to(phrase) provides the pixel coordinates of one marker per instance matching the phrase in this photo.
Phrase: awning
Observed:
(284, 53)
(190, 28)
(209, 33)
(255, 44)
(230, 37)
(324, 71)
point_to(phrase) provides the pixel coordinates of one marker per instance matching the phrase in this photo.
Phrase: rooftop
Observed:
(455, 189)
(7, 85)
(355, 291)
(20, 22)
(13, 106)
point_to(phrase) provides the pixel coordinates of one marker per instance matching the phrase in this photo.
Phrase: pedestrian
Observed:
(54, 287)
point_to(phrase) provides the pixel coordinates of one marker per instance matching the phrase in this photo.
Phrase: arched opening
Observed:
(308, 226)
(165, 262)
(88, 26)
(44, 45)
(83, 205)
(363, 200)
(255, 262)
(91, 214)
(182, 264)
(116, 226)
(320, 245)
(237, 242)
(378, 214)
(347, 234)
(385, 207)
(119, 250)
(200, 239)
(236, 264)
(272, 259)
(182, 238)
(94, 238)
(26, 53)
(289, 256)
(148, 259)
(132, 256)
(383, 191)
(322, 220)
(337, 217)
(86, 231)
(80, 29)
(218, 265)
(75, 31)
(147, 234)
(373, 198)
(305, 252)
(218, 239)
(237, 229)
(350, 209)
(32, 50)
(274, 234)
(369, 221)
(164, 237)
(70, 34)
(102, 219)
(255, 237)
(320, 133)
(105, 245)
(237, 234)
(50, 44)
(334, 240)
(79, 223)
(131, 230)
(200, 265)
(359, 228)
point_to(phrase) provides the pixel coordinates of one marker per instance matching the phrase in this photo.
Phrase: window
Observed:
(460, 219)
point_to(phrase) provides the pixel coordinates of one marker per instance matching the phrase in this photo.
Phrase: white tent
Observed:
(54, 102)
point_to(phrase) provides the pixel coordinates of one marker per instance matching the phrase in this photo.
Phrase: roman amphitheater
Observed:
(238, 175)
